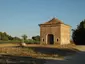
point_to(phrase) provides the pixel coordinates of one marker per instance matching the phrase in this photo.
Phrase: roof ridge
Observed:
(54, 21)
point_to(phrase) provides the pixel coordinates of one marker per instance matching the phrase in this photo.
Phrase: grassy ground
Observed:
(13, 59)
(33, 53)
(8, 44)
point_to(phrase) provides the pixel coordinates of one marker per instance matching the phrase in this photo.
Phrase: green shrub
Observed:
(9, 41)
(31, 41)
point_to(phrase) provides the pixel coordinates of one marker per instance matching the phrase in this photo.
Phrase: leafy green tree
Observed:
(16, 38)
(0, 35)
(24, 37)
(37, 38)
(4, 36)
(78, 35)
(10, 37)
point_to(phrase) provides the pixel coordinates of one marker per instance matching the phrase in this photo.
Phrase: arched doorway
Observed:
(50, 39)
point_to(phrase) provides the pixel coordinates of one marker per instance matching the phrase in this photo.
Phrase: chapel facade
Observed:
(54, 32)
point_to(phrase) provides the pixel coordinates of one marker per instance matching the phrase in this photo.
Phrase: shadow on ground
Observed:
(79, 58)
(9, 59)
(74, 56)
(58, 51)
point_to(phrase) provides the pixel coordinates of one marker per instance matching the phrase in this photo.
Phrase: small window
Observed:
(42, 39)
(57, 40)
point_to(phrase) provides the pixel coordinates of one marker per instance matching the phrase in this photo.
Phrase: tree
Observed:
(24, 37)
(78, 34)
(16, 38)
(10, 37)
(0, 35)
(4, 36)
(37, 38)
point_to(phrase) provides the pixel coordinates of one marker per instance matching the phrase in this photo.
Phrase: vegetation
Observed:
(24, 37)
(79, 34)
(5, 38)
(36, 38)
(31, 41)
(38, 52)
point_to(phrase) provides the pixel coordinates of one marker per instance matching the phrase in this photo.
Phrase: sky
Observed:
(18, 17)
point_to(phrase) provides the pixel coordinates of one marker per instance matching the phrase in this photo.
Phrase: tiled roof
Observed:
(54, 21)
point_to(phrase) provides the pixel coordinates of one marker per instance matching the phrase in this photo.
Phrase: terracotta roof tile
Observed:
(54, 21)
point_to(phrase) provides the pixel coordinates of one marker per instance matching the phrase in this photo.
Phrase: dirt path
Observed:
(9, 59)
(79, 58)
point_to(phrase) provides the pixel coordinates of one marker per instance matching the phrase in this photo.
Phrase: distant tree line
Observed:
(4, 37)
(37, 38)
(33, 40)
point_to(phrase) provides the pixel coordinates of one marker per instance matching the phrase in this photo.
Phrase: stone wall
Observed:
(65, 34)
(50, 29)
(59, 30)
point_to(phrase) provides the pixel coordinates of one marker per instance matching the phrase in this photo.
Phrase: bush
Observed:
(78, 34)
(10, 41)
(31, 41)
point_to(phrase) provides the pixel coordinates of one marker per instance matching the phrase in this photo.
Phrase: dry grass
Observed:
(8, 44)
(32, 53)
(35, 51)
(19, 51)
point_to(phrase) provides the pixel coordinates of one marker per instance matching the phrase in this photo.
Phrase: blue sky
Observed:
(18, 17)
